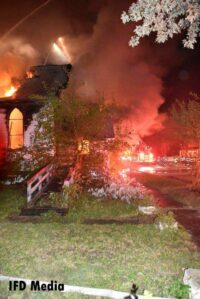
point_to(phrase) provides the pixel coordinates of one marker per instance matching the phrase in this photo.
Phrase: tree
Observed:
(166, 18)
(73, 131)
(81, 130)
(187, 115)
(61, 124)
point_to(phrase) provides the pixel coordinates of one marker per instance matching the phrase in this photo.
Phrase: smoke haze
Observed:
(97, 43)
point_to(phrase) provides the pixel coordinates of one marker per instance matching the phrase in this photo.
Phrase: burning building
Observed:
(19, 111)
(18, 106)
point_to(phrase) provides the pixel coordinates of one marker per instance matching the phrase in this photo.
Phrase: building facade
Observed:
(17, 111)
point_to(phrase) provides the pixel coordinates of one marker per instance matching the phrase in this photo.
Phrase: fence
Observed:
(38, 182)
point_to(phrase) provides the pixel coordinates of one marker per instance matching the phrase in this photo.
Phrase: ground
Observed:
(101, 256)
(178, 189)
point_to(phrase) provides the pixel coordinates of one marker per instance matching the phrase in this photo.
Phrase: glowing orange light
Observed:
(84, 147)
(10, 91)
(16, 129)
(29, 75)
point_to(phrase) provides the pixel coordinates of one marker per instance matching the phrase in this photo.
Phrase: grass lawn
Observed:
(91, 208)
(101, 256)
(172, 188)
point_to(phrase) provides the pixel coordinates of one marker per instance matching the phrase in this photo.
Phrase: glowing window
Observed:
(16, 129)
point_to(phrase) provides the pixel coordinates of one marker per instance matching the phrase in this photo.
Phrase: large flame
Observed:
(9, 92)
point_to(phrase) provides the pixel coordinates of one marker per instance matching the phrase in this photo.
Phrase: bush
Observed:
(120, 191)
(64, 199)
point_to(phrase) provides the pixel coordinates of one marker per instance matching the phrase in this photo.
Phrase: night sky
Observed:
(145, 80)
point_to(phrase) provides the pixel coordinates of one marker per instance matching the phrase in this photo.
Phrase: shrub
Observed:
(121, 191)
(64, 199)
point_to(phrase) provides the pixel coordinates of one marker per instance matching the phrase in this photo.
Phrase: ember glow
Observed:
(10, 92)
(29, 74)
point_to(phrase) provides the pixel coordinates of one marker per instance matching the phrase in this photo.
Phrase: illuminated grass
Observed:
(97, 256)
(11, 199)
(90, 207)
(101, 256)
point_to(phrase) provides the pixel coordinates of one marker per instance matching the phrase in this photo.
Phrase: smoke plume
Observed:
(104, 63)
(16, 56)
(93, 38)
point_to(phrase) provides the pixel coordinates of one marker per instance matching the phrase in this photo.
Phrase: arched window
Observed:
(16, 130)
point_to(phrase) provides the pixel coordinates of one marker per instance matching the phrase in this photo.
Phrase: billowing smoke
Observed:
(91, 36)
(16, 56)
(105, 64)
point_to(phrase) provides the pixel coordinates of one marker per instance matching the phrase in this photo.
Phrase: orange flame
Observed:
(10, 91)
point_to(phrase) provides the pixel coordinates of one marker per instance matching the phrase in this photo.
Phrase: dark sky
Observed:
(146, 79)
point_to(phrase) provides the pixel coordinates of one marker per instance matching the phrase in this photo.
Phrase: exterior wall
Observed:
(56, 78)
(3, 135)
(28, 132)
